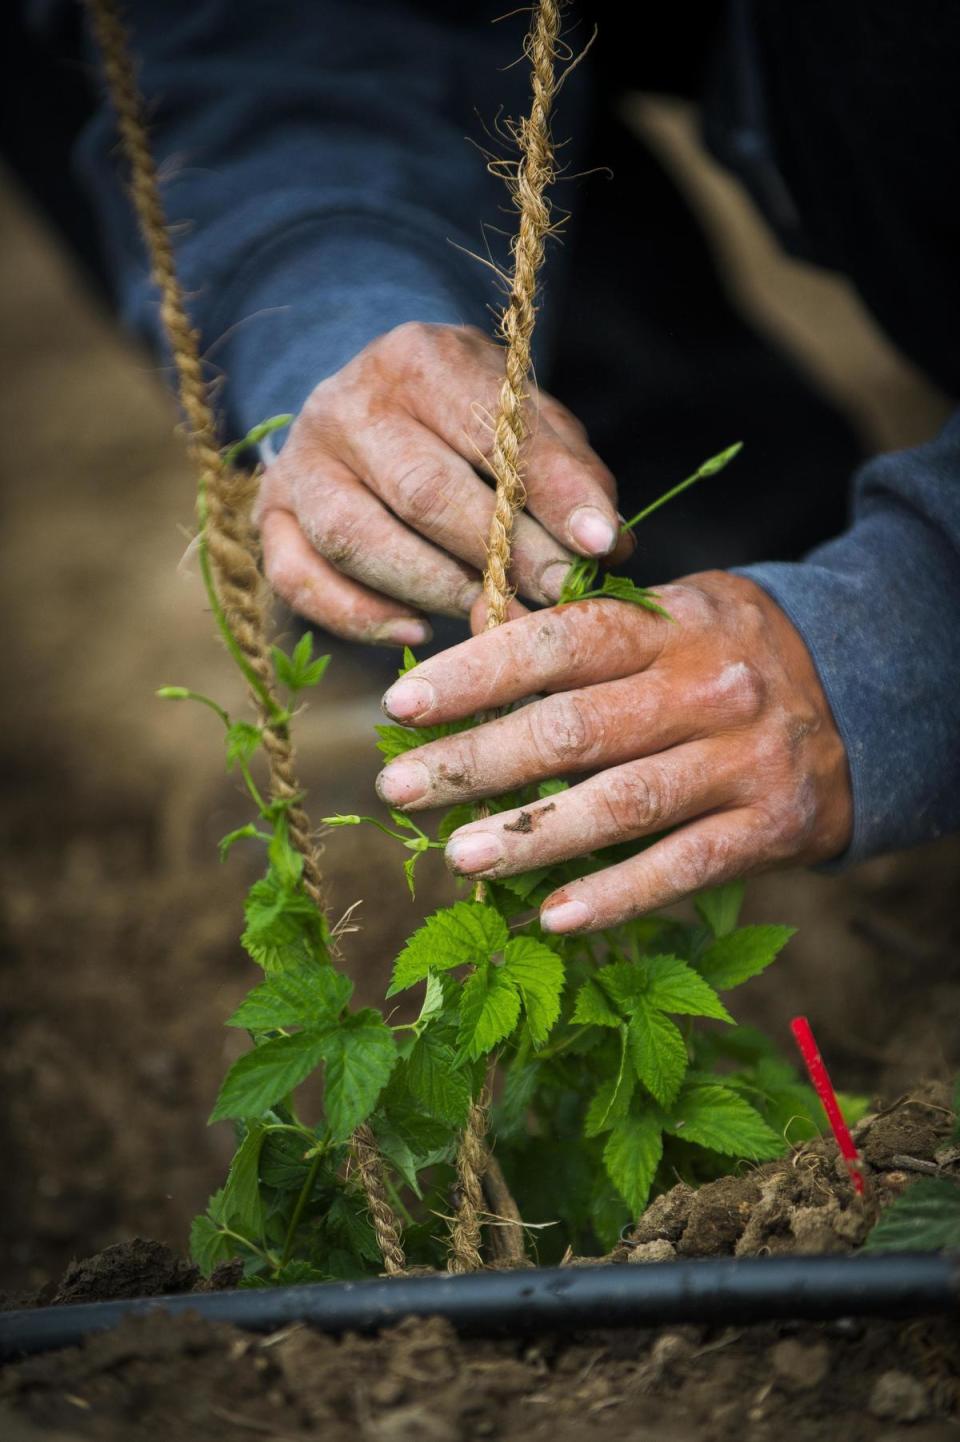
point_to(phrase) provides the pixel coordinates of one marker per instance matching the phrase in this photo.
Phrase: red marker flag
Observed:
(820, 1079)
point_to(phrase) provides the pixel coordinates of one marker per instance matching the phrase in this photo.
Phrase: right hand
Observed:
(374, 511)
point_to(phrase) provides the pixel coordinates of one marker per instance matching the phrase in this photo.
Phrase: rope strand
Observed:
(534, 174)
(227, 530)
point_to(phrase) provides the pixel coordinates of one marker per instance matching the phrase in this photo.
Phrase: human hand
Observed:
(715, 730)
(374, 510)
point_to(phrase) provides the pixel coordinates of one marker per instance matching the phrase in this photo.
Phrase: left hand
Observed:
(715, 730)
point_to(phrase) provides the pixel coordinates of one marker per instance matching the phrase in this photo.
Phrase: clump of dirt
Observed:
(804, 1202)
(156, 1377)
(128, 1269)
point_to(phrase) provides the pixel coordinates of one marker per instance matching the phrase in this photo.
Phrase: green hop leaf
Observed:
(433, 1078)
(284, 927)
(359, 1053)
(243, 738)
(537, 972)
(741, 954)
(466, 933)
(267, 1074)
(715, 1117)
(489, 1010)
(658, 1051)
(209, 1245)
(299, 670)
(925, 1219)
(592, 1008)
(300, 996)
(676, 987)
(241, 1204)
(631, 1156)
(719, 908)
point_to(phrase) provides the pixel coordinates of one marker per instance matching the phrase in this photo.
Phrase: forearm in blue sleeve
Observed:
(879, 609)
(316, 168)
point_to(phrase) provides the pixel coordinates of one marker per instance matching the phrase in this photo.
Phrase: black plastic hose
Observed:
(728, 1290)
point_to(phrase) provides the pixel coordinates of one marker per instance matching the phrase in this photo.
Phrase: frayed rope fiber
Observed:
(227, 529)
(534, 174)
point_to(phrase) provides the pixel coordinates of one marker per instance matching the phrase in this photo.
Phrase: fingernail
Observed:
(566, 916)
(403, 632)
(474, 852)
(408, 697)
(591, 530)
(551, 582)
(402, 782)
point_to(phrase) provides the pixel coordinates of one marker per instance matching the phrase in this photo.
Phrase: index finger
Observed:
(573, 645)
(569, 489)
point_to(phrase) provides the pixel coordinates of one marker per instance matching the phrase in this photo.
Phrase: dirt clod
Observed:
(799, 1366)
(898, 1397)
(128, 1269)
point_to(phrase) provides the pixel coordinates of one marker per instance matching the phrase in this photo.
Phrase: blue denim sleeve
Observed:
(879, 609)
(317, 169)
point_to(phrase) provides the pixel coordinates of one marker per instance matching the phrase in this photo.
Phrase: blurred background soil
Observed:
(119, 927)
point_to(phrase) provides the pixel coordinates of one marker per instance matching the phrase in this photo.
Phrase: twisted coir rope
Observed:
(228, 533)
(534, 174)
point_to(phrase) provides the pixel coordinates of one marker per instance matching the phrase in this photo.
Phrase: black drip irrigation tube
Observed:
(554, 1299)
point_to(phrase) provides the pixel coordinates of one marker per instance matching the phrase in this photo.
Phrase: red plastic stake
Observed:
(820, 1079)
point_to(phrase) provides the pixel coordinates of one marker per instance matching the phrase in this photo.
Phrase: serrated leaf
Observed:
(538, 973)
(658, 1052)
(741, 954)
(631, 1157)
(456, 817)
(676, 987)
(347, 1222)
(621, 588)
(719, 908)
(266, 1074)
(285, 863)
(925, 1219)
(300, 996)
(519, 1088)
(396, 741)
(282, 1163)
(435, 1080)
(625, 982)
(612, 1101)
(579, 578)
(523, 885)
(208, 1244)
(299, 670)
(489, 1010)
(243, 738)
(241, 1195)
(552, 788)
(359, 1055)
(715, 1117)
(284, 927)
(434, 999)
(592, 1008)
(466, 933)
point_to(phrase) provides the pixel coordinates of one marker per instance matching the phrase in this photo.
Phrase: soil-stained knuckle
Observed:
(411, 347)
(692, 608)
(337, 536)
(425, 495)
(705, 857)
(636, 801)
(738, 688)
(563, 731)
